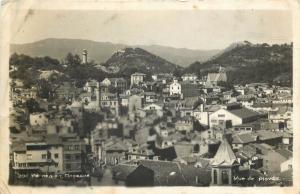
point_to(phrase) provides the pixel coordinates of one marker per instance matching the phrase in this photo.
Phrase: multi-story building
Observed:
(74, 153)
(41, 156)
(190, 77)
(91, 97)
(118, 83)
(282, 115)
(233, 115)
(137, 78)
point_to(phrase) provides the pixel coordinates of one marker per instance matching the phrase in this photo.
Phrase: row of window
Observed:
(44, 156)
(30, 164)
(109, 103)
(73, 147)
(69, 156)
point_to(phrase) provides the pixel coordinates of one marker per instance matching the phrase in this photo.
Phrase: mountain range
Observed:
(244, 62)
(102, 51)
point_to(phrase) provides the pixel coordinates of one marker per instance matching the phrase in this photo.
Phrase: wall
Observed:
(38, 119)
(216, 117)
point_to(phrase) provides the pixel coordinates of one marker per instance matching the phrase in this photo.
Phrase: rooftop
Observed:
(244, 113)
(224, 155)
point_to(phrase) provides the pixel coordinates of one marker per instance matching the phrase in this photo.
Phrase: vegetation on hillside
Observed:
(252, 63)
(130, 60)
(244, 63)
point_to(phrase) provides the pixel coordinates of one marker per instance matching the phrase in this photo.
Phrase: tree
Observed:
(72, 60)
(32, 106)
(44, 89)
(90, 120)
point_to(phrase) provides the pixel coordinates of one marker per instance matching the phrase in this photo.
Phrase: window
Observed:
(221, 115)
(215, 177)
(68, 156)
(225, 177)
(55, 155)
(68, 166)
(77, 157)
(44, 156)
(70, 147)
(76, 147)
(213, 121)
(29, 156)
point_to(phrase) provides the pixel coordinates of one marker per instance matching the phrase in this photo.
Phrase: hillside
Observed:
(130, 60)
(101, 51)
(251, 63)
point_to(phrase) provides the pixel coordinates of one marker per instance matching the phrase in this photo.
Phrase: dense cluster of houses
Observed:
(158, 130)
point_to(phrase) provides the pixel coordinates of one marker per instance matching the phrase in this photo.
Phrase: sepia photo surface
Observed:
(195, 97)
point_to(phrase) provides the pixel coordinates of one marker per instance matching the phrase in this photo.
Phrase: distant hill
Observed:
(247, 62)
(181, 56)
(130, 60)
(101, 51)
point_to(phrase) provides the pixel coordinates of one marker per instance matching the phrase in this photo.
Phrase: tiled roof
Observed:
(117, 146)
(183, 149)
(286, 175)
(117, 79)
(18, 147)
(212, 108)
(173, 173)
(244, 113)
(216, 77)
(285, 153)
(121, 171)
(140, 74)
(266, 134)
(224, 155)
(243, 138)
(247, 151)
(53, 139)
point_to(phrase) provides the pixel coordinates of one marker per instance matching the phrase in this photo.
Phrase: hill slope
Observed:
(101, 51)
(251, 63)
(130, 60)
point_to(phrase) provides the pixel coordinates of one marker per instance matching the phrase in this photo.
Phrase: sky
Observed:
(193, 29)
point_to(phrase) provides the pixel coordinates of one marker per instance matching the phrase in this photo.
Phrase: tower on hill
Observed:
(84, 56)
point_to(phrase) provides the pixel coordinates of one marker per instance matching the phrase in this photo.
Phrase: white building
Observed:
(39, 156)
(137, 78)
(91, 97)
(153, 106)
(38, 119)
(106, 82)
(189, 77)
(286, 165)
(175, 88)
(234, 116)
